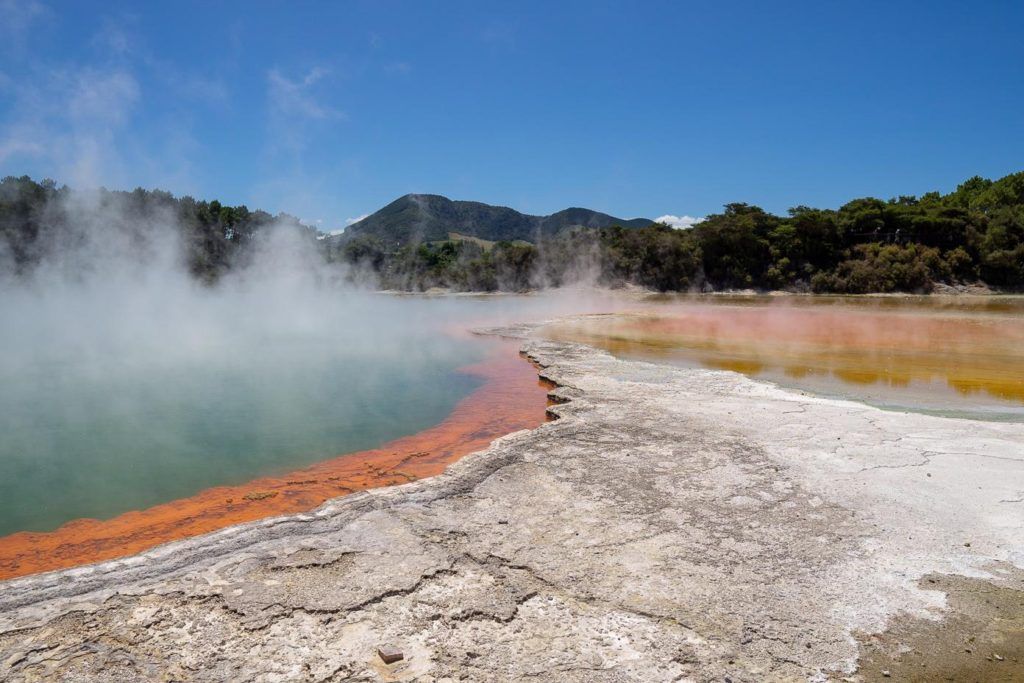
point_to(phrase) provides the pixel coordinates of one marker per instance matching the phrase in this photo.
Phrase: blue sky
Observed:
(331, 110)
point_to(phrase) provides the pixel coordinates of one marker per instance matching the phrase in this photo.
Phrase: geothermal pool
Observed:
(959, 357)
(127, 425)
(94, 432)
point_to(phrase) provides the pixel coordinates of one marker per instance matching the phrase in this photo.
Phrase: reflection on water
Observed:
(958, 356)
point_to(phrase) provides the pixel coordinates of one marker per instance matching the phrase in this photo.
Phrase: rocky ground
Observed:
(673, 524)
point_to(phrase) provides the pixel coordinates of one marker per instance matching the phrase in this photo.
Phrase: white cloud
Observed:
(13, 146)
(293, 97)
(72, 121)
(295, 117)
(339, 231)
(679, 222)
(105, 98)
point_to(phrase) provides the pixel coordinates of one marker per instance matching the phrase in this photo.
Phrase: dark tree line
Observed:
(907, 244)
(973, 234)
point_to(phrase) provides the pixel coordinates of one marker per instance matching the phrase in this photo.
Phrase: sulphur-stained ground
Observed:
(673, 524)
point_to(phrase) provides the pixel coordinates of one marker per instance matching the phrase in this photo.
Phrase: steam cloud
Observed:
(117, 290)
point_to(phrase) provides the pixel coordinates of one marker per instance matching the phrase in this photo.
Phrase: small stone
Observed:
(886, 673)
(998, 658)
(389, 654)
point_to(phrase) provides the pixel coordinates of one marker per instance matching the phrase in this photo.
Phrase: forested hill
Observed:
(972, 235)
(418, 218)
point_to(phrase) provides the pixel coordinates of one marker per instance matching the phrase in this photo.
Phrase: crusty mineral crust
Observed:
(674, 524)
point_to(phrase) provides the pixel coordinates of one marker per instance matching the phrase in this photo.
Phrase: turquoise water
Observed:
(127, 392)
(105, 409)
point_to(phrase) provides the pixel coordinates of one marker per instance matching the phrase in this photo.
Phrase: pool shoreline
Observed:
(469, 427)
(965, 364)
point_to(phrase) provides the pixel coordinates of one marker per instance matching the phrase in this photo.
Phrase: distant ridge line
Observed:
(430, 217)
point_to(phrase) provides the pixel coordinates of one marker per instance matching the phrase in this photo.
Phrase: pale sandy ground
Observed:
(674, 524)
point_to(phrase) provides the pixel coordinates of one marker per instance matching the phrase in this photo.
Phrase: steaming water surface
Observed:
(127, 395)
(961, 357)
(106, 407)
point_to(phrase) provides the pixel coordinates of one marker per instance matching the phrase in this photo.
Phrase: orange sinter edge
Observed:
(511, 398)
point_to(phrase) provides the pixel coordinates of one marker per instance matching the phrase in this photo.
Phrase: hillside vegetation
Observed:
(974, 234)
(42, 222)
(430, 217)
(906, 244)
